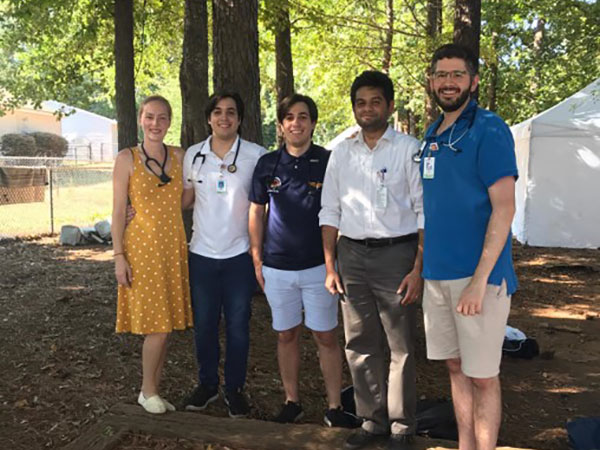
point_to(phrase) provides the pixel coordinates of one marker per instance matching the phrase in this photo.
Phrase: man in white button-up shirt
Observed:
(372, 198)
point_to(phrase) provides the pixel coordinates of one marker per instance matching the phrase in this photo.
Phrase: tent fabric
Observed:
(558, 157)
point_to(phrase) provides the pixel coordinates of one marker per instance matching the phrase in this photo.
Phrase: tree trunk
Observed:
(434, 28)
(493, 65)
(434, 18)
(124, 78)
(538, 44)
(389, 37)
(284, 68)
(467, 24)
(193, 80)
(193, 73)
(235, 55)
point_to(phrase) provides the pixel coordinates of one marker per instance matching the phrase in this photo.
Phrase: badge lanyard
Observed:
(163, 177)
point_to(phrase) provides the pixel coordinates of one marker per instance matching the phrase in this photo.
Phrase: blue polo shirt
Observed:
(469, 158)
(292, 188)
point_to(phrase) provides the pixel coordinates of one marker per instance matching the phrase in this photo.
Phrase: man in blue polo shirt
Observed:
(288, 255)
(469, 169)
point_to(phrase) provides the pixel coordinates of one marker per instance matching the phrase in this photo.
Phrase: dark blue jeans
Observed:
(222, 287)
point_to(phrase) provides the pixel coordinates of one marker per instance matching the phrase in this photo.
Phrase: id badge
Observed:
(429, 168)
(221, 186)
(381, 200)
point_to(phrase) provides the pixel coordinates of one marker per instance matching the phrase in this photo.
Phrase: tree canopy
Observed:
(533, 53)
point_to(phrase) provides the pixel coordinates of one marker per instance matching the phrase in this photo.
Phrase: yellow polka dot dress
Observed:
(155, 246)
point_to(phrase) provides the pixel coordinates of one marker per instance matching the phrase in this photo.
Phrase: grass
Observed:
(80, 197)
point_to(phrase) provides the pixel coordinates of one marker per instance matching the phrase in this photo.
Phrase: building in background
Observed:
(91, 137)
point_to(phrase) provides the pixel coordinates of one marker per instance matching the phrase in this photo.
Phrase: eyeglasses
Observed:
(455, 75)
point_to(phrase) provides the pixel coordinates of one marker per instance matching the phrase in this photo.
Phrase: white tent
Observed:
(340, 137)
(558, 191)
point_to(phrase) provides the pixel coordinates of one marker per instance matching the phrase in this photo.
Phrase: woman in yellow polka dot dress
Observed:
(150, 252)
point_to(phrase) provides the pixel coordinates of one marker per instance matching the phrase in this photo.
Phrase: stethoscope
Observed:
(274, 182)
(163, 177)
(231, 168)
(418, 156)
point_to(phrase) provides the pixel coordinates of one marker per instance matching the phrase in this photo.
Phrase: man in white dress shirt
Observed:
(372, 199)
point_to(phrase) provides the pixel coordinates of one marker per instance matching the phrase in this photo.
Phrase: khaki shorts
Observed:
(476, 340)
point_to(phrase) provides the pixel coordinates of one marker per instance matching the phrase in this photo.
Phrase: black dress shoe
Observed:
(400, 442)
(361, 438)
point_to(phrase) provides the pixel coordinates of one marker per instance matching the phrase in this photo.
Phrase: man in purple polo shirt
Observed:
(288, 255)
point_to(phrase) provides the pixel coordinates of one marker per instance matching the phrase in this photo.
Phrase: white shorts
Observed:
(291, 291)
(476, 340)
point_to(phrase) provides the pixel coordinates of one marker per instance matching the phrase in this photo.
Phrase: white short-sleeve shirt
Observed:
(220, 219)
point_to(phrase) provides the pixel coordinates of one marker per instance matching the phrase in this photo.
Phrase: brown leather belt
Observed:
(384, 242)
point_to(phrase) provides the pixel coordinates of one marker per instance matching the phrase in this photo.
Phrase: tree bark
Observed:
(434, 18)
(124, 77)
(235, 55)
(434, 29)
(493, 65)
(538, 45)
(193, 73)
(389, 37)
(467, 24)
(284, 68)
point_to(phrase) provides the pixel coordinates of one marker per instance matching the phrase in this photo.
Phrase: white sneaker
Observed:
(168, 405)
(153, 405)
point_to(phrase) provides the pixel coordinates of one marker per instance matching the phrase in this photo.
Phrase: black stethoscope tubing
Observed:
(231, 168)
(163, 177)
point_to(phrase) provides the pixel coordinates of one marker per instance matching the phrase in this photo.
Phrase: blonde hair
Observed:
(155, 98)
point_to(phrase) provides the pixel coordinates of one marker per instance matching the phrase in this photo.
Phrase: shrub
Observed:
(49, 144)
(14, 144)
(35, 144)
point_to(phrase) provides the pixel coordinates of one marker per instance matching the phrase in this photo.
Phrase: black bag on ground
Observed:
(435, 418)
(525, 349)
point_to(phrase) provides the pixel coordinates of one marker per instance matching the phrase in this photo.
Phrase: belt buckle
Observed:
(369, 242)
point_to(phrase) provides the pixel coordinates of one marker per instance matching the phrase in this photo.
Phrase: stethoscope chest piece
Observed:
(232, 168)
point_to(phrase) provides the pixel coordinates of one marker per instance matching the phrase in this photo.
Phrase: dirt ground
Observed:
(62, 366)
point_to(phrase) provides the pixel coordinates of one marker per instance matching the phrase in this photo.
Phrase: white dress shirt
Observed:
(220, 220)
(356, 175)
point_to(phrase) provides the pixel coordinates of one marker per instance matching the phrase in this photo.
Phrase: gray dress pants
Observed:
(375, 322)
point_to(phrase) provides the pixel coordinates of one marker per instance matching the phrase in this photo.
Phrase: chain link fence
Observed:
(92, 152)
(40, 195)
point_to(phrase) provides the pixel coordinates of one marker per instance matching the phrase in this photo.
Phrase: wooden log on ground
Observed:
(247, 434)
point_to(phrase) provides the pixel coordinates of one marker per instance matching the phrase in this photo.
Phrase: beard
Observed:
(373, 124)
(451, 106)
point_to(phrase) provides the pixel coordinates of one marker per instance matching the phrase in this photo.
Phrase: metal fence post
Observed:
(51, 204)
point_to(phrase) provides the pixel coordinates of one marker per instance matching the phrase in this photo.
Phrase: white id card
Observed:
(429, 168)
(381, 199)
(221, 185)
